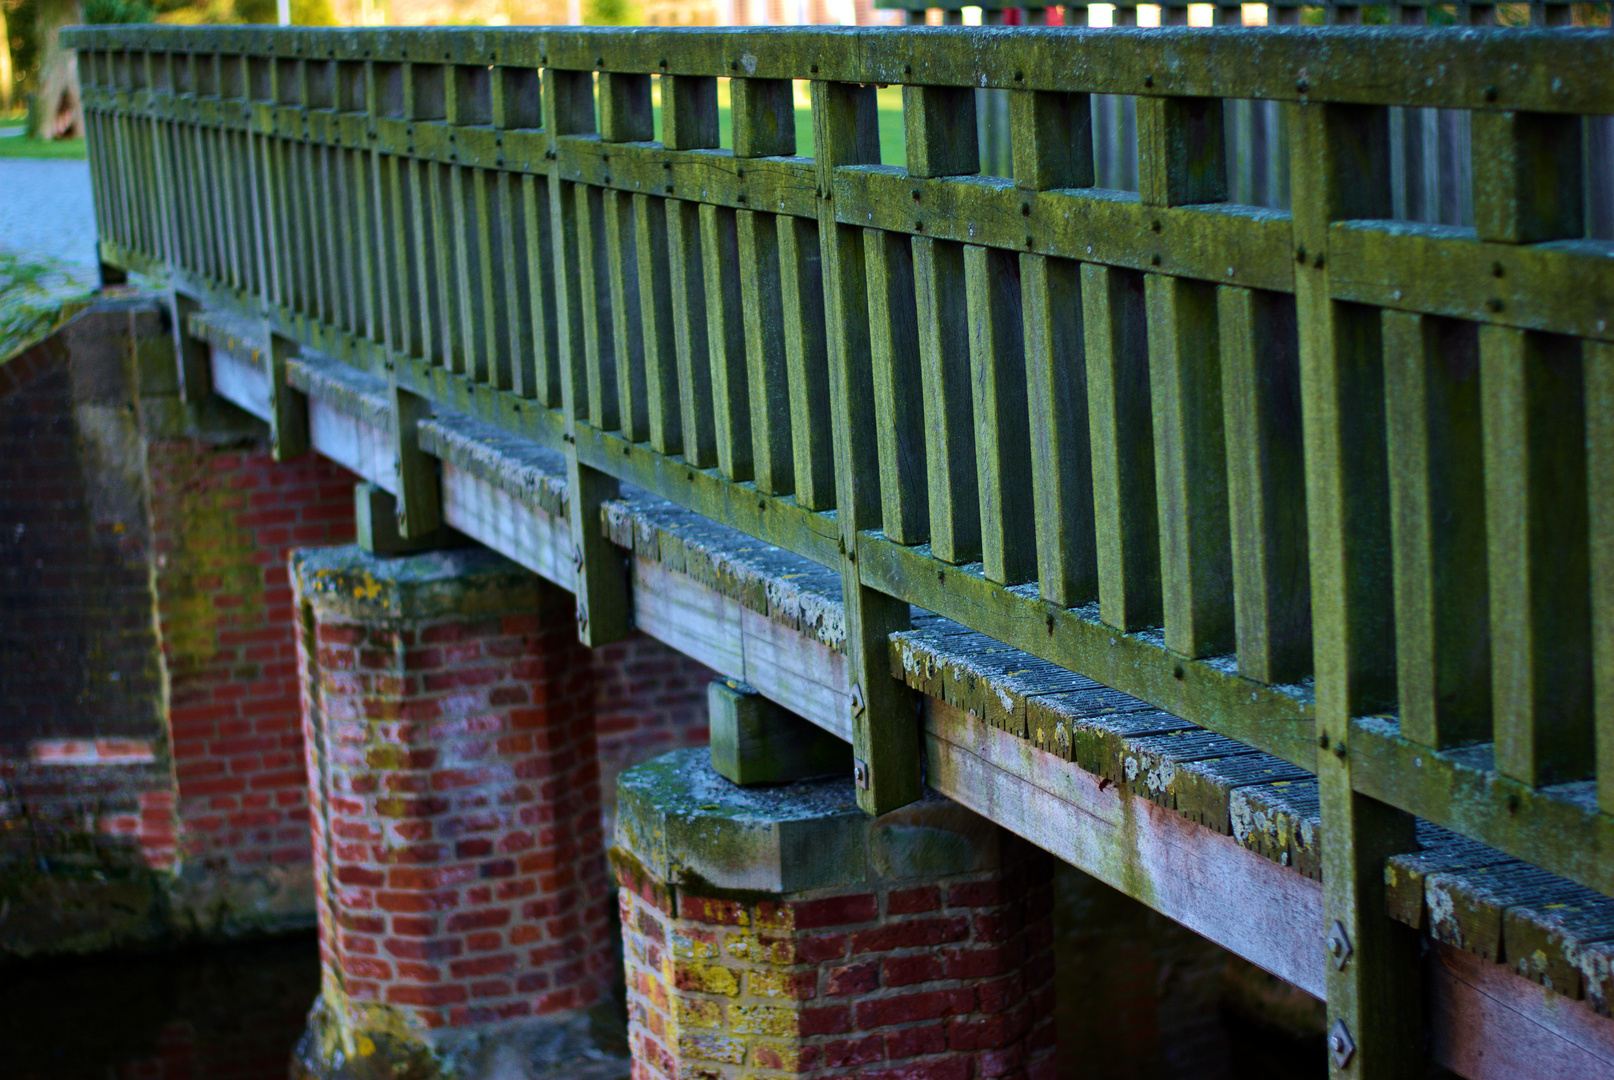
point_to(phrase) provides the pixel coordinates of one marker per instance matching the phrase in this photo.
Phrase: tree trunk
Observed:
(57, 113)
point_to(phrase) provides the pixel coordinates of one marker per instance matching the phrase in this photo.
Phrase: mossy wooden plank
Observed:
(767, 377)
(515, 314)
(949, 407)
(1235, 244)
(1533, 394)
(625, 112)
(1282, 822)
(939, 127)
(543, 376)
(689, 116)
(780, 184)
(725, 341)
(1528, 185)
(1266, 484)
(419, 491)
(1437, 491)
(1196, 572)
(1127, 551)
(898, 412)
(1182, 151)
(288, 408)
(1365, 65)
(488, 225)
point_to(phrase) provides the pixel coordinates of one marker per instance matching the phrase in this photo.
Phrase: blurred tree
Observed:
(55, 112)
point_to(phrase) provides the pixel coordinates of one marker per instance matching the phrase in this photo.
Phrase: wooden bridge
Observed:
(1322, 485)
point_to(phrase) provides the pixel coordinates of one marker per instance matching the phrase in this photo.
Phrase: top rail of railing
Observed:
(1330, 481)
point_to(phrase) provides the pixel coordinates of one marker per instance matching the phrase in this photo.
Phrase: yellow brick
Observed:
(700, 1013)
(785, 1057)
(705, 978)
(689, 948)
(763, 1020)
(775, 984)
(711, 1047)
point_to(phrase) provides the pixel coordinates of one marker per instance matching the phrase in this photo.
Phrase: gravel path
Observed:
(46, 212)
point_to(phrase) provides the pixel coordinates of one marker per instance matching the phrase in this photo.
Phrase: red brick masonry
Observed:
(451, 749)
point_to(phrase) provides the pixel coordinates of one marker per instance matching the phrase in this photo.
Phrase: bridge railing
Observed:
(1334, 483)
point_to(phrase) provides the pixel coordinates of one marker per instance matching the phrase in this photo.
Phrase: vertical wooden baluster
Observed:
(542, 291)
(725, 341)
(491, 226)
(1437, 493)
(656, 316)
(1121, 429)
(1052, 136)
(766, 374)
(468, 269)
(1528, 188)
(885, 727)
(602, 588)
(1182, 160)
(689, 116)
(1598, 358)
(687, 278)
(621, 243)
(898, 413)
(1340, 170)
(764, 125)
(801, 281)
(942, 140)
(948, 435)
(594, 283)
(1260, 369)
(419, 488)
(1536, 524)
(998, 391)
(513, 284)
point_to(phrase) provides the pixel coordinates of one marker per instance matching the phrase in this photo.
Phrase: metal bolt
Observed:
(860, 774)
(1340, 1044)
(1339, 945)
(859, 705)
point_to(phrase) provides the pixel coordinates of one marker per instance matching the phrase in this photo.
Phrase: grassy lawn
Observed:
(21, 146)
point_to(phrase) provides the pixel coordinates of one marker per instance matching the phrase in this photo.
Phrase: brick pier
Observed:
(778, 931)
(464, 910)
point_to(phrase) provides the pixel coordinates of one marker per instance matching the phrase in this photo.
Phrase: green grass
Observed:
(21, 146)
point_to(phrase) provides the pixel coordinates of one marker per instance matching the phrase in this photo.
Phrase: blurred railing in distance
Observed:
(1252, 372)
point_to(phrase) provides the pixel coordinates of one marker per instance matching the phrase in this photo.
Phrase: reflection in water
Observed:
(217, 1013)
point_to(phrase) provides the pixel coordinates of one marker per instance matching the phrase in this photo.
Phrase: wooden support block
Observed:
(1182, 154)
(939, 123)
(1527, 177)
(375, 520)
(1052, 139)
(288, 406)
(195, 369)
(764, 117)
(625, 113)
(755, 741)
(419, 488)
(689, 116)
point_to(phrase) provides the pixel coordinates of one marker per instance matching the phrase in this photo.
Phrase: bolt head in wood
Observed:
(1341, 1047)
(860, 774)
(1339, 945)
(859, 705)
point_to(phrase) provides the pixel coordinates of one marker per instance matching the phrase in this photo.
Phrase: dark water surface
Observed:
(219, 1013)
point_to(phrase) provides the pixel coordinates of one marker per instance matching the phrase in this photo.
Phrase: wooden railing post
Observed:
(885, 722)
(1340, 168)
(604, 612)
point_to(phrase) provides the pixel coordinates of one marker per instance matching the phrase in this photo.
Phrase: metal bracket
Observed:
(860, 774)
(1341, 1046)
(859, 703)
(1339, 945)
